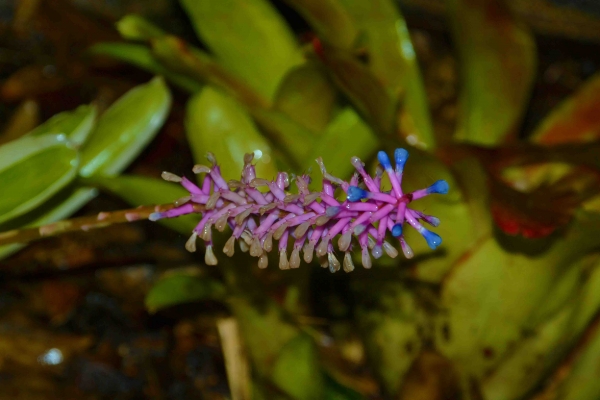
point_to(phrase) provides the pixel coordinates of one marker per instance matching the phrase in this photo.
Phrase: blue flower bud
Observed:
(384, 160)
(433, 239)
(400, 155)
(356, 194)
(397, 230)
(440, 187)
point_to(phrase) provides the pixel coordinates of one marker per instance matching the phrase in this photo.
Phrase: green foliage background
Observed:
(491, 315)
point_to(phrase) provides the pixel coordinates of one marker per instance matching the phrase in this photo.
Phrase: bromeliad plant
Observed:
(508, 303)
(312, 219)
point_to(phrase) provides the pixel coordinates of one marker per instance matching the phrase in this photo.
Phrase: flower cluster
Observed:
(310, 220)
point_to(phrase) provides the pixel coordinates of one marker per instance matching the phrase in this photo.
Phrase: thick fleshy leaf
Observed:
(216, 123)
(32, 169)
(249, 38)
(141, 56)
(497, 67)
(138, 190)
(549, 342)
(393, 61)
(287, 136)
(180, 287)
(307, 96)
(330, 20)
(364, 90)
(76, 125)
(491, 296)
(125, 129)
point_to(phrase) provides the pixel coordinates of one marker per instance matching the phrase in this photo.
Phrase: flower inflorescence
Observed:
(310, 220)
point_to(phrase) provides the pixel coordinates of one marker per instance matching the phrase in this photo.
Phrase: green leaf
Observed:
(138, 190)
(539, 352)
(76, 125)
(336, 391)
(575, 120)
(390, 327)
(307, 97)
(497, 68)
(135, 27)
(257, 324)
(289, 137)
(249, 38)
(141, 57)
(393, 61)
(180, 288)
(582, 381)
(463, 212)
(493, 294)
(72, 201)
(32, 169)
(125, 129)
(300, 356)
(364, 89)
(349, 136)
(330, 20)
(216, 123)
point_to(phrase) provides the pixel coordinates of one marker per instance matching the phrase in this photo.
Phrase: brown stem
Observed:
(101, 220)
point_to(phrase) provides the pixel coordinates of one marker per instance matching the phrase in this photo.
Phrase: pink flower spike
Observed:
(314, 219)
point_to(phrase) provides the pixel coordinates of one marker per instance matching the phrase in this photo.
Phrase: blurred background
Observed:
(499, 97)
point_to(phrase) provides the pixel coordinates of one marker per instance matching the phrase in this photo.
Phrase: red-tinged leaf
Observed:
(540, 212)
(497, 67)
(575, 120)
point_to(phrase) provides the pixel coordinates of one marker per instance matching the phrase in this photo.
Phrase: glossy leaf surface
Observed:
(497, 68)
(248, 37)
(76, 125)
(32, 169)
(216, 123)
(125, 129)
(307, 96)
(392, 59)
